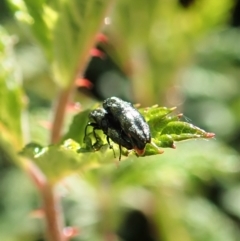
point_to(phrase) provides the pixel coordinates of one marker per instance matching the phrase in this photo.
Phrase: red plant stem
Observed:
(59, 114)
(51, 202)
(53, 214)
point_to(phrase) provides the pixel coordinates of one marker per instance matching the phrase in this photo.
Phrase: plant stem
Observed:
(53, 214)
(59, 114)
(51, 203)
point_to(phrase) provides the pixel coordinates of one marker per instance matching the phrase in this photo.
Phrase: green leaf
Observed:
(11, 94)
(34, 14)
(167, 129)
(66, 31)
(184, 130)
(57, 161)
(77, 127)
(155, 111)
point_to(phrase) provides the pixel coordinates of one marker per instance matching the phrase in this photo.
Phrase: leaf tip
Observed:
(174, 146)
(81, 82)
(209, 135)
(180, 115)
(173, 108)
(102, 38)
(70, 232)
(97, 53)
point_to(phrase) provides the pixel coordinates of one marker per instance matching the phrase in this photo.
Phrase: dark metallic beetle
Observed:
(132, 123)
(101, 120)
(121, 123)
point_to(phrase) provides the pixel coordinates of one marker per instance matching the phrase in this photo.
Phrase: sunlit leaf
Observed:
(11, 94)
(58, 161)
(81, 152)
(66, 31)
(77, 127)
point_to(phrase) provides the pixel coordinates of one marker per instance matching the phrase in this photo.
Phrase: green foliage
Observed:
(58, 161)
(161, 45)
(174, 185)
(65, 30)
(211, 84)
(161, 37)
(77, 128)
(11, 95)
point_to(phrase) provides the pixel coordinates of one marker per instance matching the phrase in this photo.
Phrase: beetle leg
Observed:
(111, 146)
(120, 152)
(94, 127)
(85, 132)
(94, 133)
(98, 140)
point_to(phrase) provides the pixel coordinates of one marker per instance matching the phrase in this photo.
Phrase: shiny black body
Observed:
(122, 123)
(101, 120)
(131, 121)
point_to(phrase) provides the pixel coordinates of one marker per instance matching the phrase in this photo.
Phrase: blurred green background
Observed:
(183, 53)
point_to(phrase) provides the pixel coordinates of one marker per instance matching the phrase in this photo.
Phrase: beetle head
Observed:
(97, 116)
